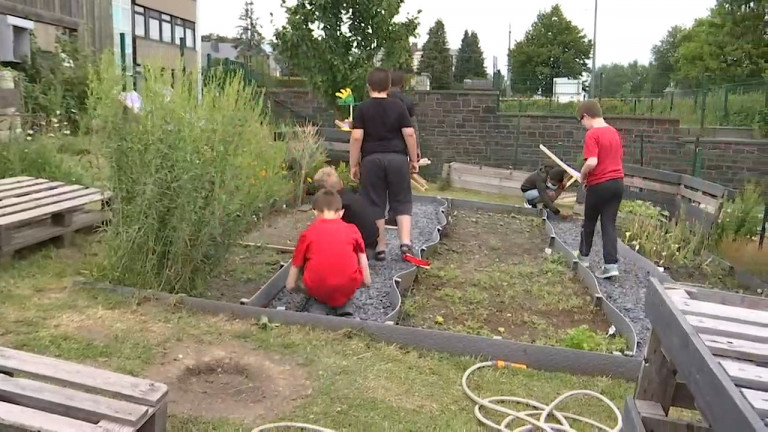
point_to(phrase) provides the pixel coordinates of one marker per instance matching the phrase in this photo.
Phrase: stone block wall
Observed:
(466, 126)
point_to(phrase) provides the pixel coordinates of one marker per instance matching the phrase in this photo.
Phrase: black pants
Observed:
(603, 201)
(386, 177)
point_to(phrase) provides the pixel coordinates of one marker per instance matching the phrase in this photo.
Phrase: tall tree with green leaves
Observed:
(727, 46)
(663, 57)
(249, 40)
(552, 48)
(618, 80)
(397, 54)
(436, 57)
(333, 43)
(470, 61)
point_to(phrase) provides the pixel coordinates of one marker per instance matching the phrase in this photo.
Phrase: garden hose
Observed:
(543, 411)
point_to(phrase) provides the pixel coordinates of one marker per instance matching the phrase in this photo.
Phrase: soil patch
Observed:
(230, 381)
(249, 267)
(492, 276)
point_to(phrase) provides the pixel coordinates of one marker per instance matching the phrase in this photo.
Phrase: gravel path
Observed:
(626, 292)
(373, 303)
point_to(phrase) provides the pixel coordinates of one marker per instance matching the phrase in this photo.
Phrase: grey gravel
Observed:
(373, 303)
(626, 292)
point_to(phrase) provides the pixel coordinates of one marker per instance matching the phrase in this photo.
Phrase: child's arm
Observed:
(409, 134)
(297, 262)
(293, 278)
(363, 258)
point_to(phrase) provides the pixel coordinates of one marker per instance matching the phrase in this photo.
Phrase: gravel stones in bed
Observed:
(626, 292)
(373, 303)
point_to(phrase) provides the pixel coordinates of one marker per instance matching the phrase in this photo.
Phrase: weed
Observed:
(305, 152)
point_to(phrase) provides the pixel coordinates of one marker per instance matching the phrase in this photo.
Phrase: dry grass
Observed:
(746, 256)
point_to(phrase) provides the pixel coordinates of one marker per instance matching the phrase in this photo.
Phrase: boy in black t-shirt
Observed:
(382, 155)
(356, 212)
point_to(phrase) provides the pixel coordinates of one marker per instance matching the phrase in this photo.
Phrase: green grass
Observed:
(356, 384)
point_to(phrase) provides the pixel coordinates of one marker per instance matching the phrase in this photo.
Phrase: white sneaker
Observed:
(526, 205)
(582, 259)
(608, 271)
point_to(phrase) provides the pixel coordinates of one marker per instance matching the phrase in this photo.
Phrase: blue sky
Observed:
(626, 29)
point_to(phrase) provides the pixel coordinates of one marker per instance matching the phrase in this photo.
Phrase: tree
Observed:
(552, 48)
(618, 80)
(217, 37)
(250, 41)
(725, 47)
(398, 55)
(436, 57)
(470, 61)
(333, 43)
(663, 57)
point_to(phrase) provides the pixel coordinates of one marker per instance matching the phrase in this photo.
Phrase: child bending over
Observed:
(544, 186)
(382, 154)
(332, 256)
(355, 210)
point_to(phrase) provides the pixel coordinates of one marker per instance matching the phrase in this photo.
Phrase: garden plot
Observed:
(373, 302)
(491, 276)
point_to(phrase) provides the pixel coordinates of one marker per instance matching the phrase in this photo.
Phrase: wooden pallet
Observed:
(708, 351)
(35, 210)
(59, 396)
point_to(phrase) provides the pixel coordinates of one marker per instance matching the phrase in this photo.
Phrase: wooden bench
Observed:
(35, 210)
(708, 351)
(44, 394)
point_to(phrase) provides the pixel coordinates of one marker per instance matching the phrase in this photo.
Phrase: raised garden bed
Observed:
(491, 276)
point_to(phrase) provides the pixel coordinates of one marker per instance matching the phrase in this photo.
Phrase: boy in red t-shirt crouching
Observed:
(332, 256)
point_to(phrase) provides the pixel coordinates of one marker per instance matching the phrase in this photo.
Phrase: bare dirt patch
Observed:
(491, 276)
(230, 381)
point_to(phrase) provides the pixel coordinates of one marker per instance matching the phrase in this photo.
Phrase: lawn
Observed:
(491, 276)
(230, 375)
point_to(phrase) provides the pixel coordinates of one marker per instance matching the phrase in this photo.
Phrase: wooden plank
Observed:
(28, 190)
(37, 233)
(486, 171)
(33, 420)
(736, 348)
(10, 180)
(21, 184)
(745, 374)
(483, 187)
(70, 403)
(40, 195)
(717, 397)
(722, 297)
(656, 382)
(47, 201)
(723, 312)
(492, 181)
(653, 174)
(759, 401)
(708, 187)
(640, 182)
(655, 419)
(729, 329)
(50, 210)
(711, 204)
(128, 388)
(108, 426)
(632, 422)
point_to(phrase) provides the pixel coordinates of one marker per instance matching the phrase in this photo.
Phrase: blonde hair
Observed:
(327, 178)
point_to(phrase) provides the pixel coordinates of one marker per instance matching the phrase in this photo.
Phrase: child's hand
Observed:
(354, 172)
(414, 166)
(290, 288)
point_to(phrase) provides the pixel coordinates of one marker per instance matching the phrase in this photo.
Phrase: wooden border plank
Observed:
(759, 401)
(10, 180)
(722, 312)
(51, 209)
(711, 204)
(39, 195)
(736, 348)
(646, 184)
(653, 174)
(729, 329)
(722, 297)
(28, 190)
(30, 419)
(126, 387)
(632, 422)
(30, 205)
(708, 187)
(70, 403)
(746, 374)
(21, 184)
(717, 397)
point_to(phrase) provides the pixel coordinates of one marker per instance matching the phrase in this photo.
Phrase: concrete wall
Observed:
(149, 52)
(462, 126)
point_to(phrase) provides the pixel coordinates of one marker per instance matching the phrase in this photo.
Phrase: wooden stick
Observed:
(280, 248)
(418, 179)
(557, 160)
(415, 183)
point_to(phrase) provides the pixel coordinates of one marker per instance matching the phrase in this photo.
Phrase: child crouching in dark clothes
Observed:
(332, 256)
(355, 210)
(544, 186)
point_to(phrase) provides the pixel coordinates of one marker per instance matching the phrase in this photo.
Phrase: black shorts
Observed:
(387, 177)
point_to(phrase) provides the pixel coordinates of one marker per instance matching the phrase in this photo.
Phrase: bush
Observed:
(41, 157)
(305, 155)
(742, 216)
(187, 177)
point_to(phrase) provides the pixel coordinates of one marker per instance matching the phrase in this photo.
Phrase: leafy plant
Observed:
(41, 157)
(187, 176)
(305, 154)
(583, 338)
(741, 217)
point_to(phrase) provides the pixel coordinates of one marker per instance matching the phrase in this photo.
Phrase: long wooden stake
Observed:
(557, 160)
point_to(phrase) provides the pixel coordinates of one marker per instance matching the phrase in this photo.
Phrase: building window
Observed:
(166, 29)
(190, 34)
(139, 22)
(178, 30)
(154, 25)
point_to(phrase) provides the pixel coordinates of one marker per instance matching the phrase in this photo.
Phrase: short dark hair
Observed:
(379, 80)
(398, 79)
(557, 174)
(326, 200)
(589, 108)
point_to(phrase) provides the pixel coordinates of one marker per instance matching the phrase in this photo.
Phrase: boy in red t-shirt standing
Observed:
(603, 177)
(332, 256)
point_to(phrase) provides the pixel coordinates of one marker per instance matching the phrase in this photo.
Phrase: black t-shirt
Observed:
(397, 94)
(382, 120)
(360, 215)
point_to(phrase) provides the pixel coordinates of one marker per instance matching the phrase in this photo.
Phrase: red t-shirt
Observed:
(328, 250)
(604, 143)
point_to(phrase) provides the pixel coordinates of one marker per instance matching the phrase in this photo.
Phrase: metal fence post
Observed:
(642, 149)
(123, 60)
(762, 228)
(697, 151)
(725, 104)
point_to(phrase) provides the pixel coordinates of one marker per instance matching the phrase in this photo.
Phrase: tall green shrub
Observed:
(187, 177)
